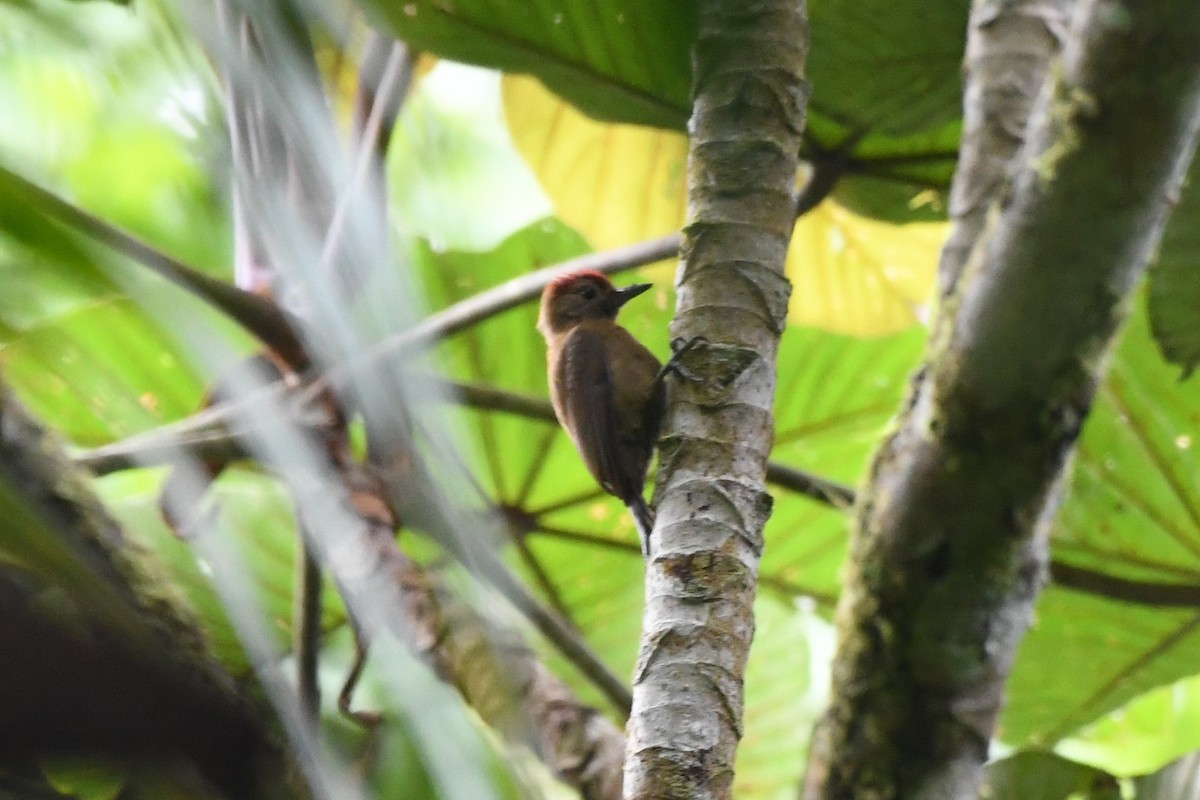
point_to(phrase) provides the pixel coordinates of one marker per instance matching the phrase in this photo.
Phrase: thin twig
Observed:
(306, 624)
(828, 167)
(811, 485)
(386, 95)
(507, 295)
(215, 442)
(544, 581)
(1125, 590)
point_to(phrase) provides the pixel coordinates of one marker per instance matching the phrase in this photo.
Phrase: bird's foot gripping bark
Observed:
(679, 348)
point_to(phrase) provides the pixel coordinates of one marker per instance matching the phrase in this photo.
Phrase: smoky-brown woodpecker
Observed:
(604, 384)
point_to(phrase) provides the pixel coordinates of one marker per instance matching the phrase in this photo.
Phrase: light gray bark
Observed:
(1010, 44)
(749, 99)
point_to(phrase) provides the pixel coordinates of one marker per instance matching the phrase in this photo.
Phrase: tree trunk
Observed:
(101, 656)
(749, 99)
(950, 544)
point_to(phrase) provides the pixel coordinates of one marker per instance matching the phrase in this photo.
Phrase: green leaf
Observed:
(1144, 734)
(259, 513)
(86, 780)
(896, 178)
(102, 372)
(150, 181)
(835, 397)
(1174, 282)
(787, 686)
(1133, 512)
(625, 62)
(885, 75)
(884, 67)
(107, 107)
(36, 293)
(898, 200)
(1034, 775)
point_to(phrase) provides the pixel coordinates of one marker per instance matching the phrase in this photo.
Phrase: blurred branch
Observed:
(385, 78)
(420, 505)
(282, 164)
(267, 322)
(496, 672)
(218, 435)
(258, 315)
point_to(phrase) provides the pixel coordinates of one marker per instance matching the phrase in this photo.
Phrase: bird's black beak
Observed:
(627, 293)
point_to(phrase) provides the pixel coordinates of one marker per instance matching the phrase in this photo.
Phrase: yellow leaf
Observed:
(615, 184)
(860, 276)
(618, 184)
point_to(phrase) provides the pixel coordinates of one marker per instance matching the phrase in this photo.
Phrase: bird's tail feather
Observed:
(643, 516)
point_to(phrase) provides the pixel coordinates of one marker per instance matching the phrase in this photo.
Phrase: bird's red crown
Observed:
(563, 281)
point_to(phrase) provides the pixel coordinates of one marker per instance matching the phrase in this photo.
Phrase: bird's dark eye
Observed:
(588, 291)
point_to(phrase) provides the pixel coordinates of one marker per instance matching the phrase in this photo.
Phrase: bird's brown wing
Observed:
(588, 398)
